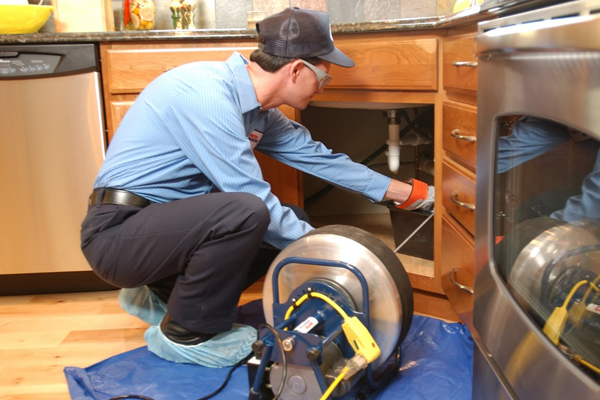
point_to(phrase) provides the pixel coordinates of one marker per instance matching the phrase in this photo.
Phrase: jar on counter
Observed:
(138, 14)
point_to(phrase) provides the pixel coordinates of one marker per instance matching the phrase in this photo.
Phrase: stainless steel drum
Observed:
(552, 271)
(550, 255)
(542, 258)
(390, 293)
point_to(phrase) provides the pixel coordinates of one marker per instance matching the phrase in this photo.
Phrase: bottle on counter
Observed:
(138, 14)
(182, 13)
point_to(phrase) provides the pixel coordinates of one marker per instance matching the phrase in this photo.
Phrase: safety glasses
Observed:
(323, 77)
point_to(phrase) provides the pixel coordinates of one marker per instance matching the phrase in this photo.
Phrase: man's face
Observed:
(309, 83)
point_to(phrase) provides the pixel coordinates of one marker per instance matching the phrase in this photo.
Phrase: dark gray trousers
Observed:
(200, 253)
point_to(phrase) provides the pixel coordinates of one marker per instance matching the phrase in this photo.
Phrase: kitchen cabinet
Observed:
(458, 172)
(459, 132)
(458, 194)
(387, 62)
(460, 64)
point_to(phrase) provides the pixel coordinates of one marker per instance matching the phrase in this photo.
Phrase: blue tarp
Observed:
(436, 364)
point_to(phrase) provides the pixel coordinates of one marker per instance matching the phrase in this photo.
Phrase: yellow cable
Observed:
(585, 363)
(556, 321)
(592, 286)
(572, 293)
(334, 384)
(326, 299)
(352, 327)
(578, 309)
(331, 303)
(318, 296)
(293, 306)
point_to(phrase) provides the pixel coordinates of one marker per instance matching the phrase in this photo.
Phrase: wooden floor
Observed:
(40, 335)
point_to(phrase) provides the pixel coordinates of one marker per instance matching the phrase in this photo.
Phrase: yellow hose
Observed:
(353, 329)
(586, 364)
(318, 296)
(558, 328)
(293, 306)
(331, 303)
(334, 384)
(572, 293)
(592, 286)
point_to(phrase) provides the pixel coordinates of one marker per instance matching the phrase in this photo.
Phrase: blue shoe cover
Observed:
(143, 303)
(223, 350)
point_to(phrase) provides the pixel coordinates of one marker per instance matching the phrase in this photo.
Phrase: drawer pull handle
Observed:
(453, 198)
(458, 285)
(471, 64)
(455, 134)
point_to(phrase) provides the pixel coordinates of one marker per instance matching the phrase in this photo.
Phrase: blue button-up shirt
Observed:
(532, 137)
(187, 134)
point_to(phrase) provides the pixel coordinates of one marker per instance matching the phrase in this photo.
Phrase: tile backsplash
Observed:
(232, 14)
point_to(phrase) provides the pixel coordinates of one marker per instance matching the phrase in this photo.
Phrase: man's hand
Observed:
(422, 197)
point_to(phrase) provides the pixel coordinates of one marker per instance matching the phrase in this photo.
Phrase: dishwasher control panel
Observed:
(16, 64)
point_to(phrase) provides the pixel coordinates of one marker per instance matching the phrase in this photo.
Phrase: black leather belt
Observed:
(117, 196)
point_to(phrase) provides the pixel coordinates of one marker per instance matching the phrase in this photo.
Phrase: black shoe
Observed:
(180, 335)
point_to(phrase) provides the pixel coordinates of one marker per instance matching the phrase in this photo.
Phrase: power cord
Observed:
(360, 339)
(556, 322)
(239, 363)
(283, 356)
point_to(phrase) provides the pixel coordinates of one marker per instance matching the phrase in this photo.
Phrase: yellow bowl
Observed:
(23, 18)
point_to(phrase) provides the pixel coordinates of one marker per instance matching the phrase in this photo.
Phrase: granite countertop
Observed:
(407, 24)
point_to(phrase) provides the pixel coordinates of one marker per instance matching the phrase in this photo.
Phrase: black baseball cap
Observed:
(300, 33)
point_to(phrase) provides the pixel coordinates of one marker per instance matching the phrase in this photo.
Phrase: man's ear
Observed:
(295, 68)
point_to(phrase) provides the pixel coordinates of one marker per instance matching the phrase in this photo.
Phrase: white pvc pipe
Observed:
(427, 165)
(393, 147)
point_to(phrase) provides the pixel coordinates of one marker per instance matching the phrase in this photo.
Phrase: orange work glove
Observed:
(421, 198)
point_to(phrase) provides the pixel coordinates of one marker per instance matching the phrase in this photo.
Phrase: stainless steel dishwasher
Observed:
(52, 144)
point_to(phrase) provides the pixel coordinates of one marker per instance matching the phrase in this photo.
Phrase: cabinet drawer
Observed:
(458, 193)
(460, 64)
(130, 71)
(387, 62)
(458, 255)
(459, 132)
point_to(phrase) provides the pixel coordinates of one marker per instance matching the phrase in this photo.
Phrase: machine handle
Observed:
(455, 134)
(324, 263)
(460, 203)
(458, 285)
(471, 64)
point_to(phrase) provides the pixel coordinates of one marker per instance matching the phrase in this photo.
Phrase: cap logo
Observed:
(298, 33)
